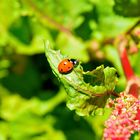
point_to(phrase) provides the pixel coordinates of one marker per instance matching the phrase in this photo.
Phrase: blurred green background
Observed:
(32, 101)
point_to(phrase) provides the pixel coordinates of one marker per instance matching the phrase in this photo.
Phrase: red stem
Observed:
(126, 64)
(134, 90)
(132, 84)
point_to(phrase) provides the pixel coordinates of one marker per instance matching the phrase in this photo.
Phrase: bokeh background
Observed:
(32, 101)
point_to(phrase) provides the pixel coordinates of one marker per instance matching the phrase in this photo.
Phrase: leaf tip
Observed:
(46, 44)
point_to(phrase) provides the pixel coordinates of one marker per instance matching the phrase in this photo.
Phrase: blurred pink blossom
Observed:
(125, 118)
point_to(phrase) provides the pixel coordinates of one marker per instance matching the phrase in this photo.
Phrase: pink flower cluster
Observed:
(125, 118)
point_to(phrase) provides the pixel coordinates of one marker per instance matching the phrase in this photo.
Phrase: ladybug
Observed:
(66, 65)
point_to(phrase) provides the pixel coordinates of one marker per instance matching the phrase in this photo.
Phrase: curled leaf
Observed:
(87, 91)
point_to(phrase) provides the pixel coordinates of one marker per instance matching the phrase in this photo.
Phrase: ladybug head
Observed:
(74, 61)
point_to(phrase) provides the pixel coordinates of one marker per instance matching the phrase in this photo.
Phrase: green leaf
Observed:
(83, 97)
(122, 7)
(95, 77)
(103, 76)
(14, 106)
(110, 78)
(109, 24)
(67, 12)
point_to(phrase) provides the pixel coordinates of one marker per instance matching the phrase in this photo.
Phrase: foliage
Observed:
(32, 100)
(83, 95)
(123, 7)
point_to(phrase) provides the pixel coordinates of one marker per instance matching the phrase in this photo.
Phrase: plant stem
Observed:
(57, 25)
(134, 90)
(128, 71)
(132, 28)
(132, 81)
(122, 43)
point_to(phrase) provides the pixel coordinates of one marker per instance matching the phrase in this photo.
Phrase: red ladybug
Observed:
(66, 65)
